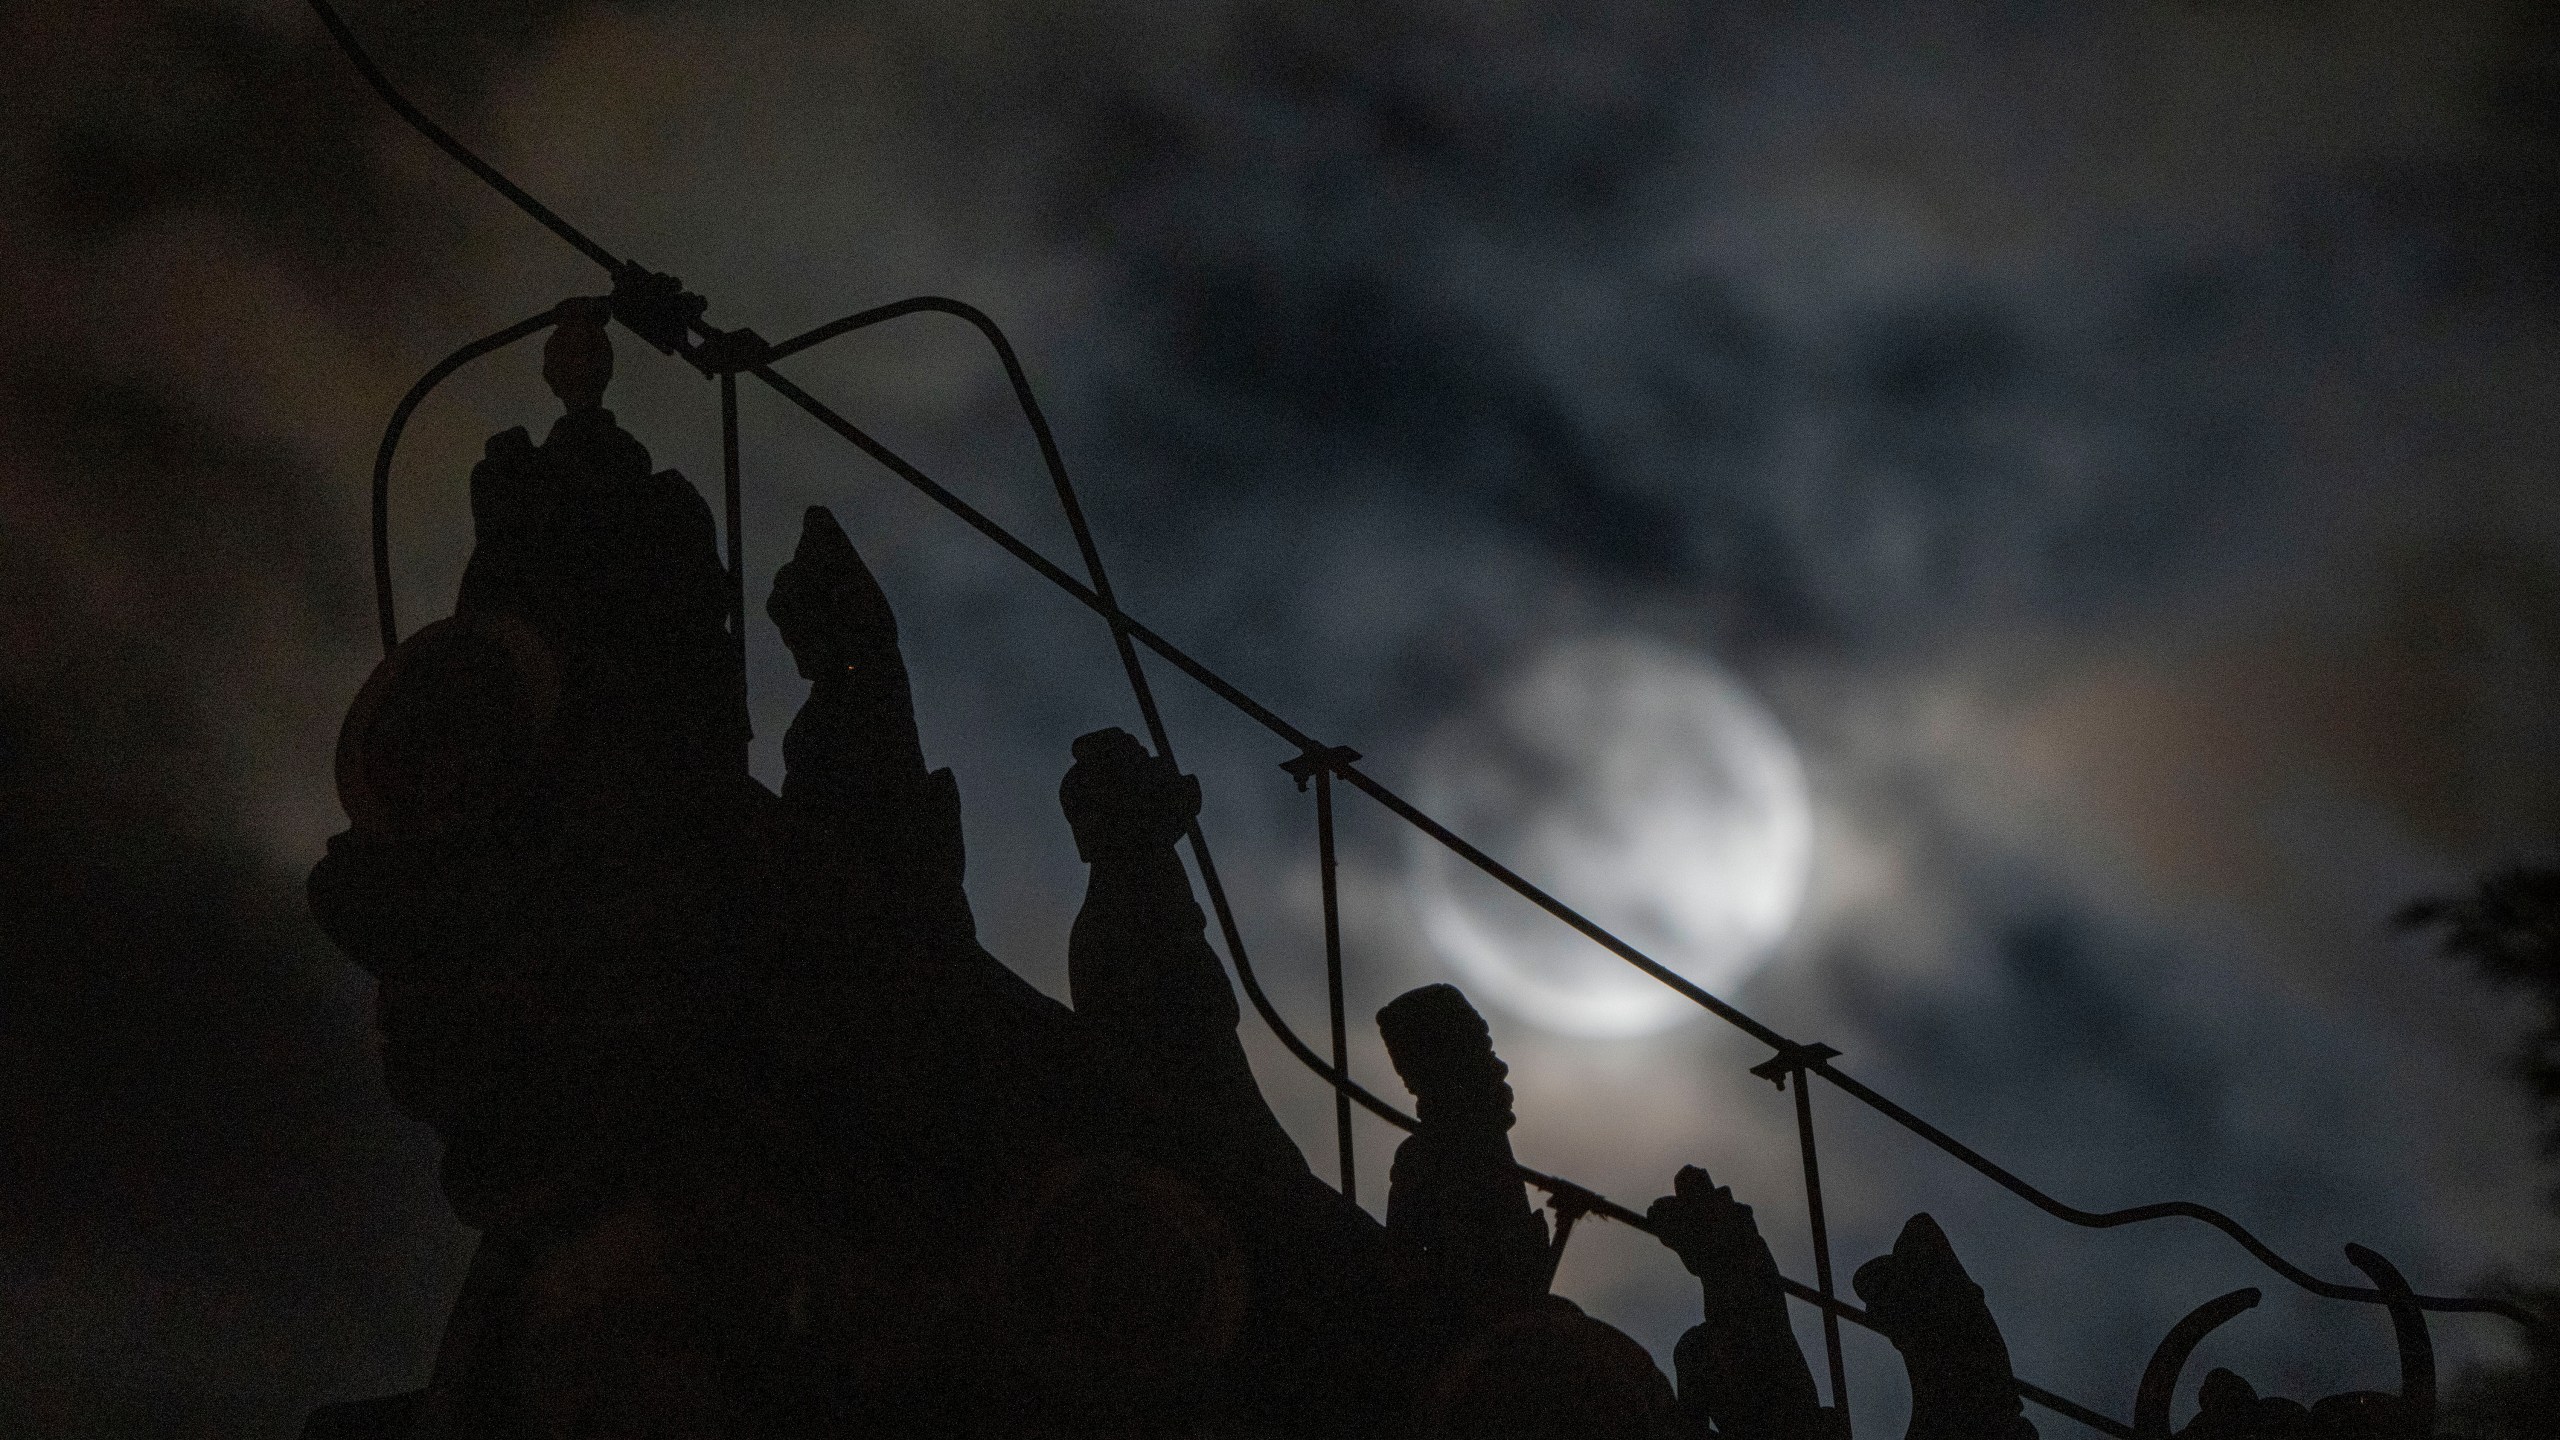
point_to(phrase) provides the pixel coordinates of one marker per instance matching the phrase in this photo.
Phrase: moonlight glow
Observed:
(1639, 785)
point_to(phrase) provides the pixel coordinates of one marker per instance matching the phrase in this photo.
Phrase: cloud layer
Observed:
(2108, 437)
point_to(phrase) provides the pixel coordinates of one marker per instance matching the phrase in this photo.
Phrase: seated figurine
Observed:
(1455, 1199)
(1318, 1350)
(1506, 1359)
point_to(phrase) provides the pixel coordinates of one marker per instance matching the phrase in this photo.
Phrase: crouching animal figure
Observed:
(2230, 1408)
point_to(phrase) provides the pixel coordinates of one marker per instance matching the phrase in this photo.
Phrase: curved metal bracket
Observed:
(382, 600)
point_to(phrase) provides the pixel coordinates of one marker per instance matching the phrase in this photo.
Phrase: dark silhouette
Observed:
(1509, 1360)
(761, 1142)
(1455, 1204)
(1547, 1372)
(1920, 1298)
(2507, 928)
(1318, 1342)
(758, 1139)
(2230, 1408)
(642, 997)
(1741, 1373)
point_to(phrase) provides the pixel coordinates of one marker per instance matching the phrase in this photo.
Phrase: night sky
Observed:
(2111, 440)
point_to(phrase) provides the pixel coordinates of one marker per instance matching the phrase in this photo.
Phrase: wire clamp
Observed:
(1793, 1060)
(1329, 760)
(657, 308)
(726, 352)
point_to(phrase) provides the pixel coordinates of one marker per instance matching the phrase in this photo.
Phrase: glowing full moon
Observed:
(1641, 786)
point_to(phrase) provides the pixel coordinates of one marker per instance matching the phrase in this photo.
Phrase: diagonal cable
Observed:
(651, 295)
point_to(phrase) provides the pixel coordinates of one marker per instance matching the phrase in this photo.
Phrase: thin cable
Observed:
(1095, 574)
(461, 153)
(1097, 597)
(1126, 630)
(1130, 629)
(1124, 625)
(2164, 1210)
(736, 534)
(1333, 974)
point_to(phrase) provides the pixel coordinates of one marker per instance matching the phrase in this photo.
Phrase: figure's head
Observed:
(577, 361)
(1919, 1284)
(1442, 1049)
(1120, 800)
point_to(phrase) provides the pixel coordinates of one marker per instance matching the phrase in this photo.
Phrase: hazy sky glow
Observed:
(2110, 440)
(1646, 786)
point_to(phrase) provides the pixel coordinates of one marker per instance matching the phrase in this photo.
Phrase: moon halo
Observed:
(1644, 787)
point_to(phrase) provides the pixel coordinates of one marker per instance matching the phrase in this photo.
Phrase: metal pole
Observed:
(1821, 1251)
(1333, 974)
(737, 545)
(1795, 1062)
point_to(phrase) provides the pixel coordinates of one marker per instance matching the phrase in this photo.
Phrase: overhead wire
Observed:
(654, 305)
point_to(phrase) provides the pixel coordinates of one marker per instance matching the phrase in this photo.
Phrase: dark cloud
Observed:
(212, 1216)
(2113, 436)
